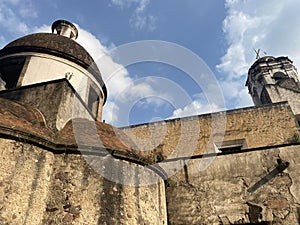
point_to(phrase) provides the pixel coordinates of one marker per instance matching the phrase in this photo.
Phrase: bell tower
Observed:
(272, 80)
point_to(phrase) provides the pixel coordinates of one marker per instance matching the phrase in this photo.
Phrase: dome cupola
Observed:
(46, 57)
(65, 28)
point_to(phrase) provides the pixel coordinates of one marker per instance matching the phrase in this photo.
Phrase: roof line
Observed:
(57, 147)
(224, 112)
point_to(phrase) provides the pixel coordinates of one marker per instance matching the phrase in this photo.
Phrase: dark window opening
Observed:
(228, 149)
(279, 75)
(58, 31)
(255, 97)
(298, 119)
(93, 101)
(231, 146)
(10, 70)
(265, 98)
(260, 79)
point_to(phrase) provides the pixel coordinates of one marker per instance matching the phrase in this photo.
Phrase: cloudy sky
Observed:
(214, 38)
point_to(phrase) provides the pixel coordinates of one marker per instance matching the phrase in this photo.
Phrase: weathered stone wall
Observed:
(65, 104)
(239, 188)
(258, 126)
(39, 187)
(278, 93)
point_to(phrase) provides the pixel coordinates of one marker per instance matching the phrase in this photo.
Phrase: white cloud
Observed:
(243, 99)
(13, 2)
(28, 11)
(43, 29)
(234, 62)
(235, 93)
(13, 13)
(119, 3)
(140, 19)
(256, 24)
(141, 4)
(154, 102)
(2, 42)
(11, 22)
(151, 93)
(195, 108)
(111, 112)
(271, 26)
(199, 105)
(122, 89)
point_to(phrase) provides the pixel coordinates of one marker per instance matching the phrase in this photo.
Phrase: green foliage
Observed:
(295, 138)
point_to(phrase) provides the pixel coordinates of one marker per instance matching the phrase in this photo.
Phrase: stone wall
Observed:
(244, 188)
(59, 94)
(196, 135)
(291, 95)
(40, 187)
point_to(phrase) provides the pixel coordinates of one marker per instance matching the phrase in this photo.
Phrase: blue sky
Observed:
(222, 33)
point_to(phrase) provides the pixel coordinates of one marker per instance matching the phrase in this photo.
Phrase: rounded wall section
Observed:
(65, 189)
(45, 57)
(57, 46)
(24, 69)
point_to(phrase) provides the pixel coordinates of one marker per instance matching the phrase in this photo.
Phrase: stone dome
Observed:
(57, 45)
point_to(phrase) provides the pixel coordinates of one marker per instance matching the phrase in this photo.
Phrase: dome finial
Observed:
(65, 28)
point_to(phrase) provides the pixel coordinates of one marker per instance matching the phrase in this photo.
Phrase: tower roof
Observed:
(269, 59)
